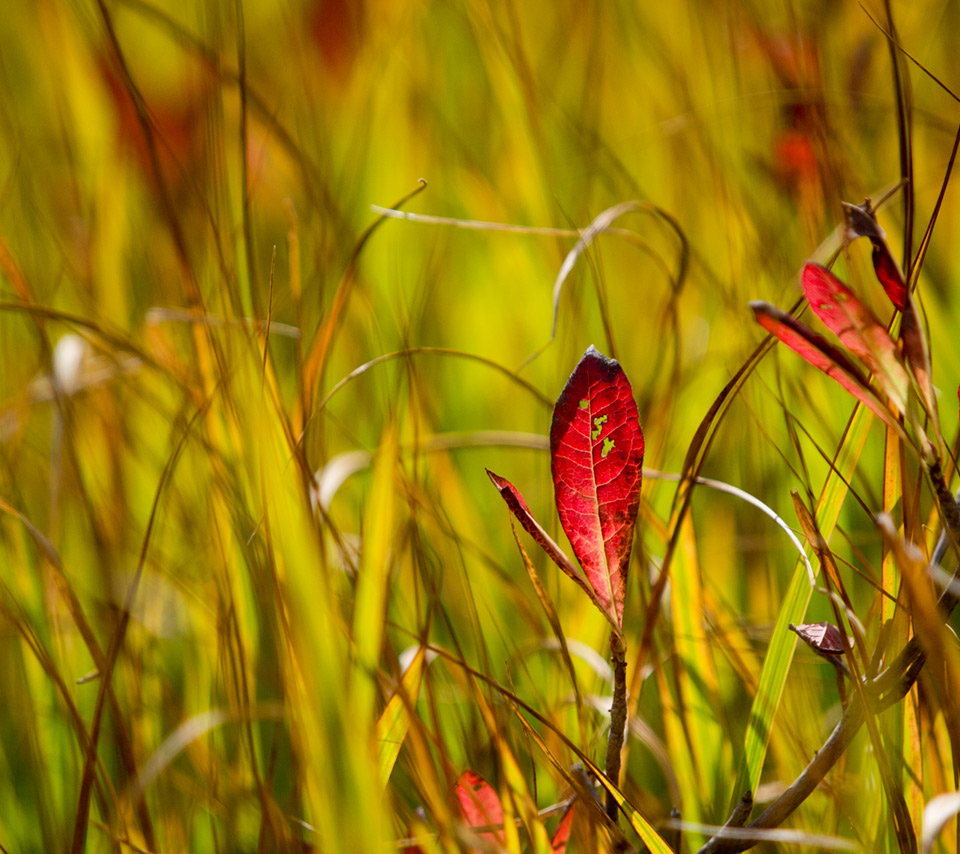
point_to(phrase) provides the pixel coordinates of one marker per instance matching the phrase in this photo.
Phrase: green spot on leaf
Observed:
(608, 444)
(584, 404)
(598, 423)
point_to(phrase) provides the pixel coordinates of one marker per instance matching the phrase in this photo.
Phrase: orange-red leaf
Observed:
(820, 353)
(480, 805)
(596, 449)
(858, 328)
(562, 834)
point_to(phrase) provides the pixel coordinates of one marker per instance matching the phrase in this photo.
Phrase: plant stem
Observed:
(618, 719)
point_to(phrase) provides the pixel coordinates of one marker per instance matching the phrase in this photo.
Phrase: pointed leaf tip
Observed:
(862, 222)
(596, 446)
(514, 500)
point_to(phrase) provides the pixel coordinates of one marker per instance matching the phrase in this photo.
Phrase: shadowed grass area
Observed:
(256, 590)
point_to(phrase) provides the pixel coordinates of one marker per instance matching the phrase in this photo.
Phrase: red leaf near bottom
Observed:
(480, 804)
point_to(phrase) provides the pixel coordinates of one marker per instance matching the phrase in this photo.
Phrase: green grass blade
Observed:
(780, 653)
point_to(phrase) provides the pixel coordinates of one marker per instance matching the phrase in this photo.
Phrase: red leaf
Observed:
(562, 834)
(519, 509)
(862, 222)
(596, 447)
(859, 330)
(480, 804)
(820, 353)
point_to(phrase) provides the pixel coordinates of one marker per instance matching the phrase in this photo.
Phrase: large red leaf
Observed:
(480, 804)
(858, 328)
(820, 353)
(519, 508)
(596, 447)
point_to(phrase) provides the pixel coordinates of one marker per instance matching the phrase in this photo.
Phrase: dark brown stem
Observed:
(618, 719)
(741, 812)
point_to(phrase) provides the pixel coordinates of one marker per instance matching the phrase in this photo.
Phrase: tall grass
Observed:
(256, 592)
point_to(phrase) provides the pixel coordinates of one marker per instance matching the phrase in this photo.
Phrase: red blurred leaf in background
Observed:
(562, 834)
(596, 447)
(480, 804)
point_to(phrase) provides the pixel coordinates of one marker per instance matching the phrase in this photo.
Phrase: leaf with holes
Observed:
(820, 353)
(596, 448)
(858, 328)
(480, 805)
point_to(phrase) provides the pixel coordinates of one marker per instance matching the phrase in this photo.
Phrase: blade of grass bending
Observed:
(696, 676)
(776, 665)
(521, 709)
(373, 582)
(554, 621)
(394, 721)
(82, 818)
(515, 796)
(654, 842)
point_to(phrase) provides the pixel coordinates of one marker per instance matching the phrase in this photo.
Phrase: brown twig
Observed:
(618, 719)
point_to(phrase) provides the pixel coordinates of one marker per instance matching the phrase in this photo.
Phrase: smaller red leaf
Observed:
(596, 450)
(862, 222)
(480, 805)
(858, 328)
(823, 638)
(518, 507)
(562, 834)
(820, 353)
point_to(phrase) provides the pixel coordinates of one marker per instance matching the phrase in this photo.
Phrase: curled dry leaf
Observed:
(823, 638)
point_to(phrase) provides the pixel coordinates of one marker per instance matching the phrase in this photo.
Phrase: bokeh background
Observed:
(202, 502)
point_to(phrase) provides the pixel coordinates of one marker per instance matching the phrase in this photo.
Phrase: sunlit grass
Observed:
(188, 466)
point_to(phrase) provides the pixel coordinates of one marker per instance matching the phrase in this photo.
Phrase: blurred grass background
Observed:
(175, 176)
